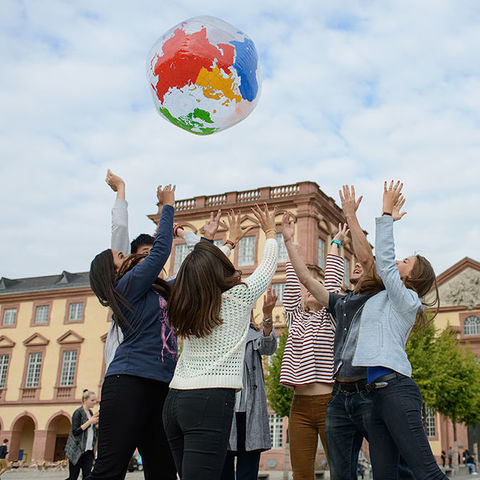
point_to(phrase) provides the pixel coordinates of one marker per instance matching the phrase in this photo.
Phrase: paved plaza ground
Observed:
(26, 474)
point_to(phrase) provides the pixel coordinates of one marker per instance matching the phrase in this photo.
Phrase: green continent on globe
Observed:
(191, 121)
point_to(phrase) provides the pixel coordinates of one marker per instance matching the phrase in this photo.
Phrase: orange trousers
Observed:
(306, 423)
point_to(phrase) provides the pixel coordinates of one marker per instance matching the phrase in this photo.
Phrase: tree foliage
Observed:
(279, 397)
(447, 374)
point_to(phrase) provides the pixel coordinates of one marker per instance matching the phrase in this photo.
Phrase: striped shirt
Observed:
(308, 355)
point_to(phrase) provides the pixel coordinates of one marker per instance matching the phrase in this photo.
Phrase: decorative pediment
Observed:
(461, 290)
(36, 340)
(6, 342)
(69, 338)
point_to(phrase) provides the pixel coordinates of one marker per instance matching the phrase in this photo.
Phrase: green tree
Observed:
(279, 397)
(456, 382)
(420, 349)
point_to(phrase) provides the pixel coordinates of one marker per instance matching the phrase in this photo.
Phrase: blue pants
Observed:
(346, 425)
(247, 461)
(397, 429)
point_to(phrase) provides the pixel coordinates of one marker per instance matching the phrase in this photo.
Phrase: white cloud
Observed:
(351, 94)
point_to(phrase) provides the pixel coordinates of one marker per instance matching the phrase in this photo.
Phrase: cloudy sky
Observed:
(353, 92)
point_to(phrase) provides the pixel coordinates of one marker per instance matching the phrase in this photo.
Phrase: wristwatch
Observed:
(267, 322)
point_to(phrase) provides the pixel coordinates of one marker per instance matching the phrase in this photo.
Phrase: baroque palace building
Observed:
(53, 329)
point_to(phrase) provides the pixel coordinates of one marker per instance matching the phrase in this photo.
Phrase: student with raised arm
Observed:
(137, 379)
(307, 364)
(210, 309)
(142, 244)
(386, 321)
(349, 409)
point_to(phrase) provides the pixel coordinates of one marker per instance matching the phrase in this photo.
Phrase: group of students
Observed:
(344, 358)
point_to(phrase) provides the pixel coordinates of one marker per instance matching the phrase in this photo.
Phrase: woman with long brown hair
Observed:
(396, 426)
(136, 381)
(210, 309)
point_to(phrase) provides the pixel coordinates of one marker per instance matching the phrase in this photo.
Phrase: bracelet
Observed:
(386, 213)
(337, 242)
(176, 227)
(267, 322)
(270, 230)
(229, 242)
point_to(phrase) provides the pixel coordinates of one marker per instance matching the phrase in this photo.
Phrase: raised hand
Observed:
(342, 233)
(391, 195)
(288, 227)
(269, 301)
(114, 181)
(235, 230)
(266, 219)
(167, 194)
(211, 225)
(396, 214)
(347, 197)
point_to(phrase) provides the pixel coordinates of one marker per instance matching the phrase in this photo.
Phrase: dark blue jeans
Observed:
(198, 424)
(346, 425)
(247, 462)
(397, 429)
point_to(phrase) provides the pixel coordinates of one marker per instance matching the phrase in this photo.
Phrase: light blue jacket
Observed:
(388, 316)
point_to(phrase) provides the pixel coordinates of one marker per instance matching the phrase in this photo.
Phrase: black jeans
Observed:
(85, 463)
(198, 424)
(131, 417)
(397, 429)
(247, 462)
(346, 425)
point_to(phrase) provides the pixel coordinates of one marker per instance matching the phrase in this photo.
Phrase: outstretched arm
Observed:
(402, 298)
(140, 278)
(303, 274)
(361, 247)
(120, 240)
(267, 343)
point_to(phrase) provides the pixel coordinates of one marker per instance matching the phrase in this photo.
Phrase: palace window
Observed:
(41, 314)
(282, 249)
(69, 365)
(181, 252)
(33, 370)
(218, 243)
(279, 289)
(246, 251)
(321, 253)
(3, 369)
(76, 311)
(276, 430)
(429, 421)
(9, 316)
(471, 326)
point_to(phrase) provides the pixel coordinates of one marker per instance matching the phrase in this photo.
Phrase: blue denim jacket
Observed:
(388, 316)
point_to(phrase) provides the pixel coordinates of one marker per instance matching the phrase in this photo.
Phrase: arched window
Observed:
(471, 326)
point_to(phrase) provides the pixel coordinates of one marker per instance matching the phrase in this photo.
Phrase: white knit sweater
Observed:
(216, 361)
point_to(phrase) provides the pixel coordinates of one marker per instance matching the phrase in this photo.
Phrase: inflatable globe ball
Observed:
(204, 75)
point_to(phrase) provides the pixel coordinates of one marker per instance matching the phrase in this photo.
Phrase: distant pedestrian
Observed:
(82, 438)
(443, 456)
(3, 455)
(450, 456)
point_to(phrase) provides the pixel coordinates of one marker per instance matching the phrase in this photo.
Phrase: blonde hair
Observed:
(86, 394)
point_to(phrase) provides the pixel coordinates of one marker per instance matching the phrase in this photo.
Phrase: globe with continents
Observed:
(204, 75)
